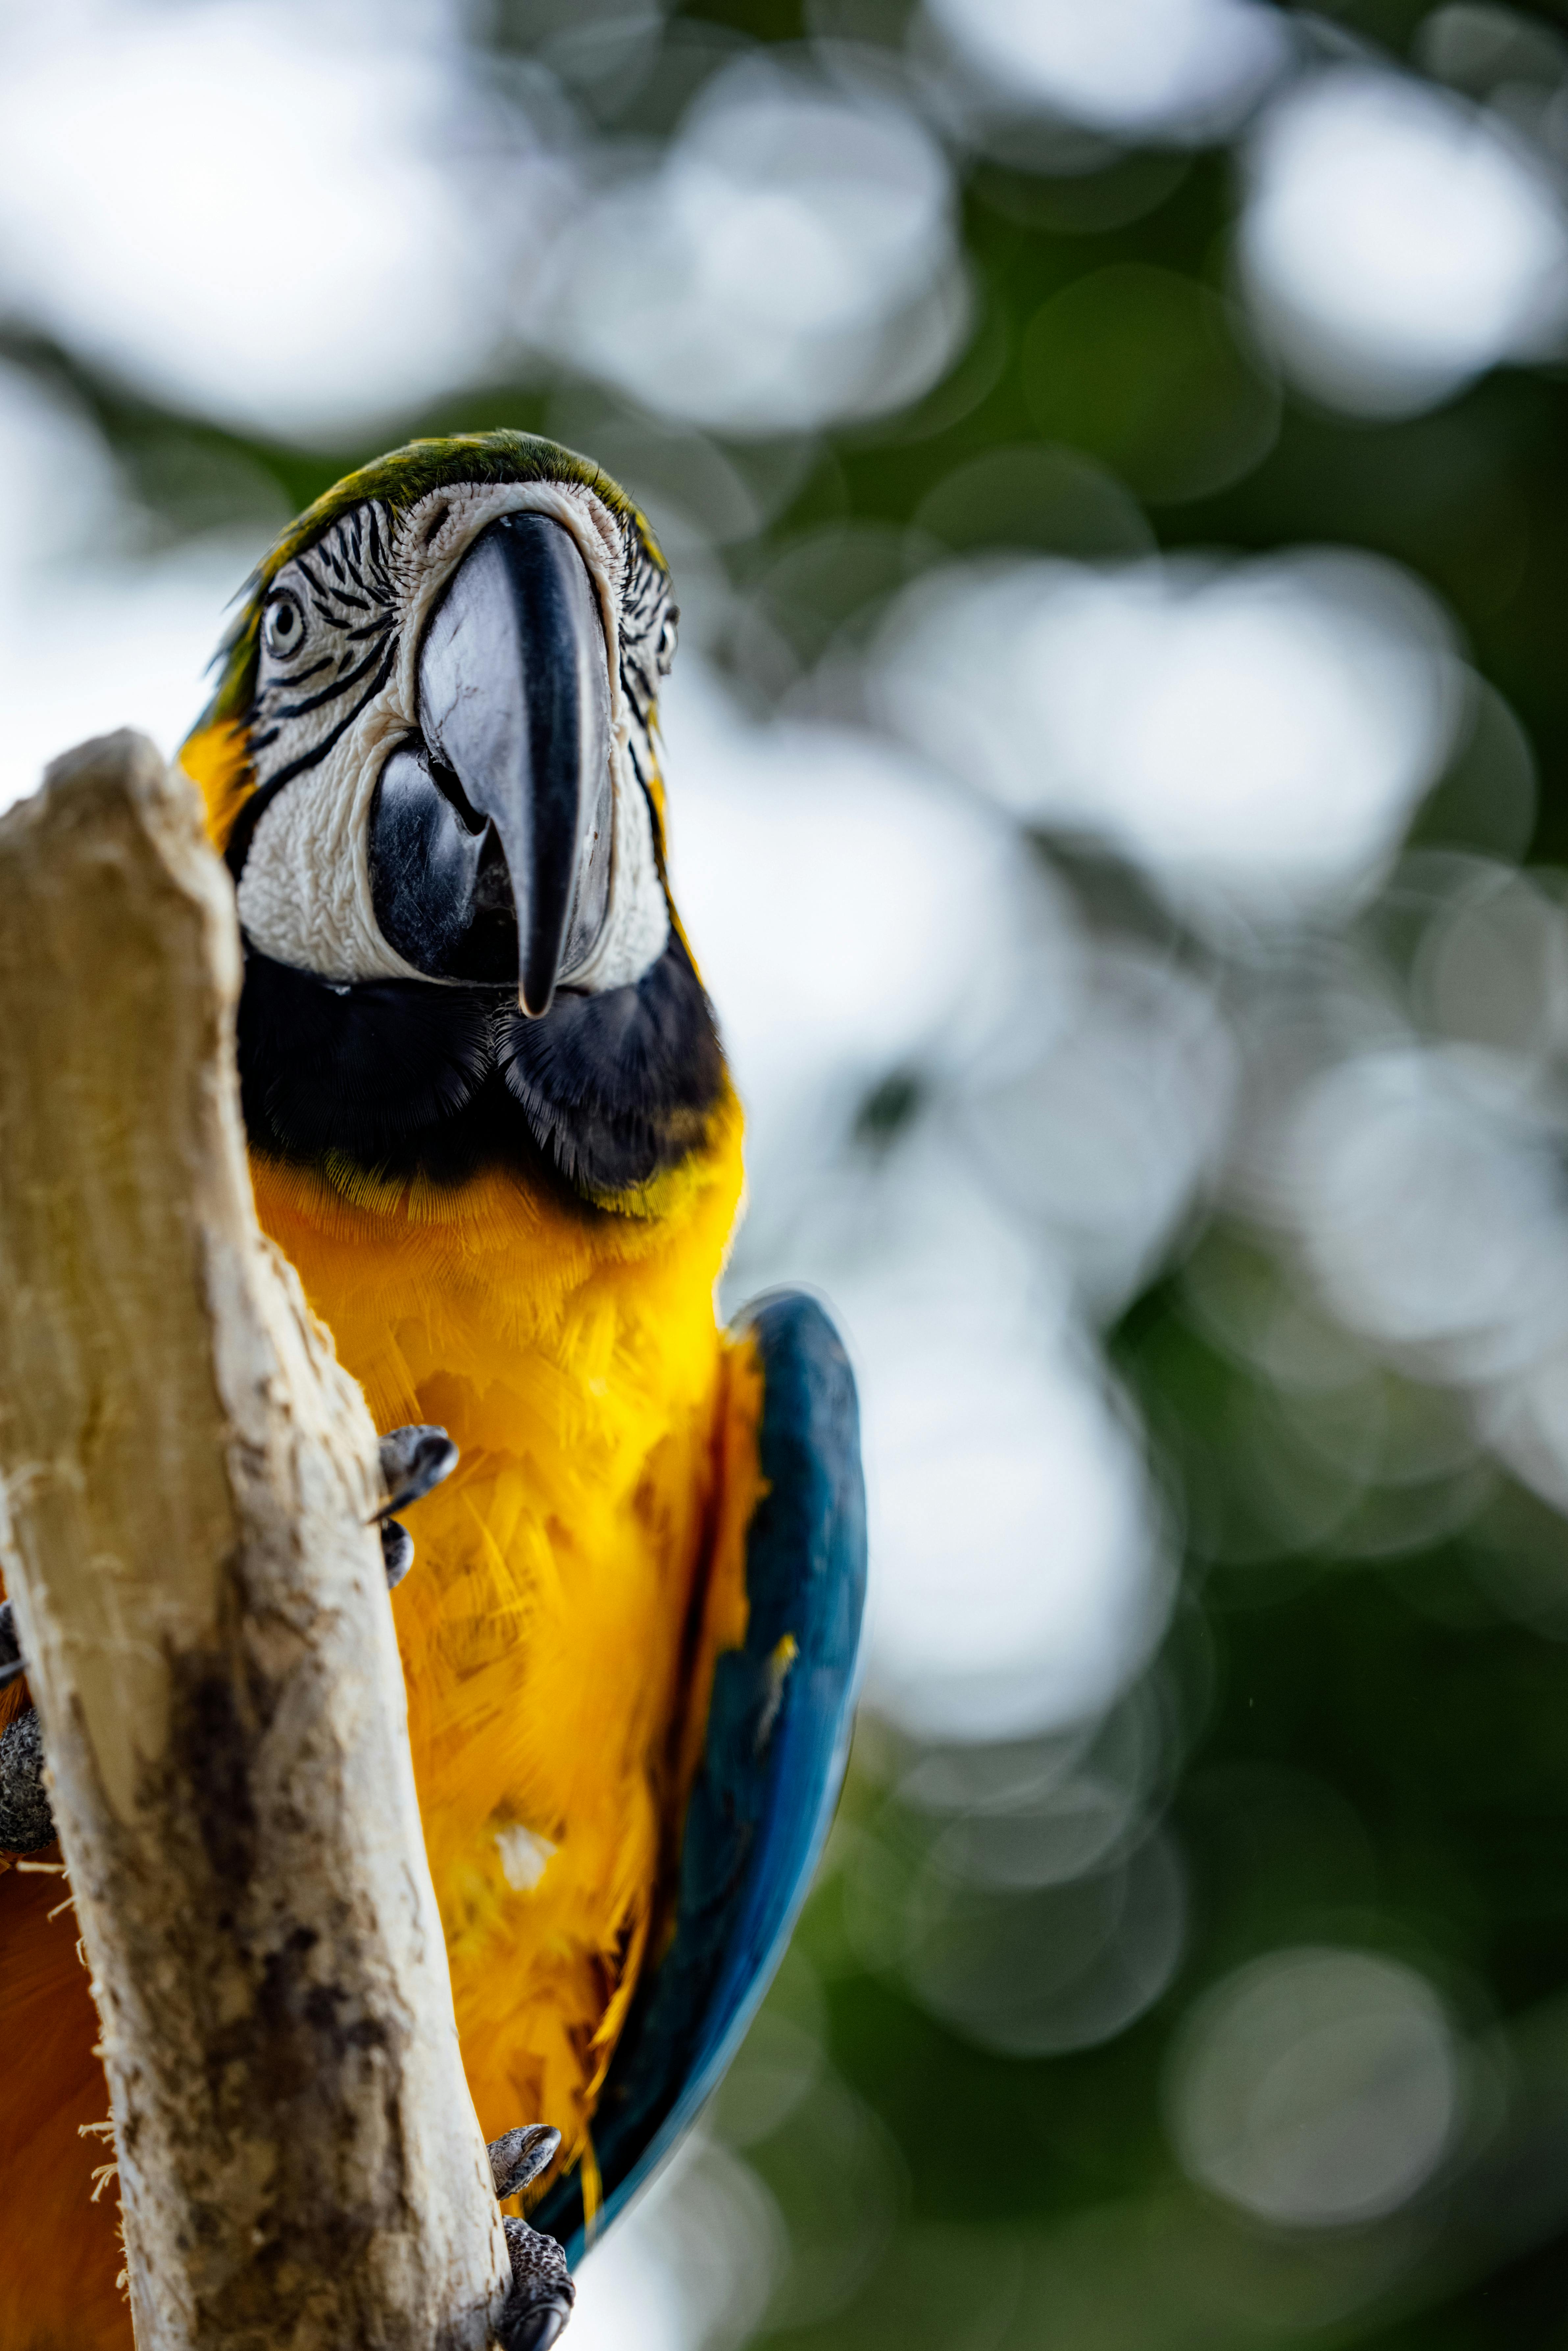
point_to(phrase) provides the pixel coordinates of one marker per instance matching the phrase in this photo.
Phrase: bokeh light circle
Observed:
(1316, 2087)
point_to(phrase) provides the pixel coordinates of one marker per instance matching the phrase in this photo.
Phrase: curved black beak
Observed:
(489, 841)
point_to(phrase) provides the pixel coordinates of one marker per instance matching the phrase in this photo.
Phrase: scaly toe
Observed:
(13, 1665)
(542, 2293)
(397, 1550)
(413, 1460)
(519, 2156)
(26, 1823)
(534, 2326)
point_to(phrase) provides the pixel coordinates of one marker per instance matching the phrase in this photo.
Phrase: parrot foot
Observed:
(414, 1459)
(26, 1823)
(12, 1662)
(519, 2156)
(542, 2291)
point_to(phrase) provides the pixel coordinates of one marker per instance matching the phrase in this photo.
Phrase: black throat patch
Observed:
(398, 1078)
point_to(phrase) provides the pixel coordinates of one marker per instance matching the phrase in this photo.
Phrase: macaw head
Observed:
(429, 764)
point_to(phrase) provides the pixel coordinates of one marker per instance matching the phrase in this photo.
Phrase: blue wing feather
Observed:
(772, 1763)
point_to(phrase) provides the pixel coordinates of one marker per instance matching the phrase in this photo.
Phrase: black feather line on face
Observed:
(400, 1078)
(318, 589)
(329, 693)
(264, 794)
(300, 675)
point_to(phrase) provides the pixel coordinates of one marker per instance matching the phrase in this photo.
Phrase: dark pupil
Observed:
(285, 620)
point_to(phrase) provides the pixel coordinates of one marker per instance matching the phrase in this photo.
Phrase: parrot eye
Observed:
(664, 653)
(283, 627)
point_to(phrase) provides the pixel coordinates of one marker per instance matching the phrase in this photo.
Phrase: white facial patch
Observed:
(305, 886)
(336, 691)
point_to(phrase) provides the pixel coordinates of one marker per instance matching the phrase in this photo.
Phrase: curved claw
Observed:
(12, 1662)
(413, 1460)
(533, 2325)
(397, 1550)
(26, 1824)
(542, 2293)
(519, 2156)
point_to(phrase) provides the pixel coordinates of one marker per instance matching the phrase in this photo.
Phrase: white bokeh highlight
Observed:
(1135, 69)
(854, 917)
(848, 909)
(244, 209)
(1019, 1577)
(92, 637)
(1396, 242)
(1254, 736)
(1434, 1212)
(1317, 2087)
(1031, 1972)
(789, 260)
(1113, 1118)
(690, 2267)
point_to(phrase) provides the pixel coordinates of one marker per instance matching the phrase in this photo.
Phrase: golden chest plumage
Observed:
(570, 1580)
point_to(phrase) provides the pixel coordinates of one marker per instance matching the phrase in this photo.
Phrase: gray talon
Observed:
(519, 2156)
(534, 2324)
(397, 1550)
(542, 2293)
(26, 1820)
(413, 1460)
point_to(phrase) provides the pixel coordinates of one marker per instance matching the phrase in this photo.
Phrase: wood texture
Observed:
(188, 1479)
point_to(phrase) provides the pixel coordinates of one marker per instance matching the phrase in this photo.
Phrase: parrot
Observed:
(491, 1124)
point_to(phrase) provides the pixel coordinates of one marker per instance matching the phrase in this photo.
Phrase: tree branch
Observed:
(189, 1479)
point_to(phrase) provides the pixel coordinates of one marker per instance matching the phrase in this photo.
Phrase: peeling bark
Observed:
(189, 1479)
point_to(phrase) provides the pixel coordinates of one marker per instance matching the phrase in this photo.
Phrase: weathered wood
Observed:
(189, 1480)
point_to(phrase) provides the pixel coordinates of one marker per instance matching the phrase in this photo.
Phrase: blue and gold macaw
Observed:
(491, 1124)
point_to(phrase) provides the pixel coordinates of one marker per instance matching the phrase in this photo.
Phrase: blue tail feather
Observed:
(772, 1763)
